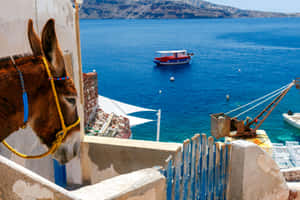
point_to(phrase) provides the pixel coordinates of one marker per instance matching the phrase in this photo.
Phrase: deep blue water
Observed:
(267, 52)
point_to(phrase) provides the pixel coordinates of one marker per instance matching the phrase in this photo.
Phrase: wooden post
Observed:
(210, 167)
(186, 170)
(228, 170)
(222, 170)
(79, 52)
(217, 171)
(194, 166)
(85, 168)
(203, 166)
(177, 181)
(169, 178)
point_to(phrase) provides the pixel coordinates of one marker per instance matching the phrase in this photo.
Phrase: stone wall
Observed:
(118, 126)
(95, 118)
(90, 87)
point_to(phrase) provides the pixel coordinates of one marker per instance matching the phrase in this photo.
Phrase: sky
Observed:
(288, 6)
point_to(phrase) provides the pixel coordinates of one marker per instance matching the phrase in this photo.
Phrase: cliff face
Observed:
(165, 9)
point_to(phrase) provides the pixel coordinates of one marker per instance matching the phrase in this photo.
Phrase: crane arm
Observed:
(222, 125)
(267, 111)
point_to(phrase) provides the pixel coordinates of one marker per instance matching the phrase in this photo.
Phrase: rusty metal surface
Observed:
(220, 125)
(238, 126)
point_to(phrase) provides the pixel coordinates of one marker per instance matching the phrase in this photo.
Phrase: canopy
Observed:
(172, 51)
(119, 108)
(134, 121)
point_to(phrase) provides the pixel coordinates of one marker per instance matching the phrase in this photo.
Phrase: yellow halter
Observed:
(60, 135)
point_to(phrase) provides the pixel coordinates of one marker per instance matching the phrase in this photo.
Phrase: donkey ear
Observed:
(52, 50)
(34, 40)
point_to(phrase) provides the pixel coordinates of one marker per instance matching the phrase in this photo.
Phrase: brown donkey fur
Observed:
(43, 114)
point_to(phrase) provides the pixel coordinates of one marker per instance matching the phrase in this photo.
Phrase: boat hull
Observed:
(293, 120)
(173, 62)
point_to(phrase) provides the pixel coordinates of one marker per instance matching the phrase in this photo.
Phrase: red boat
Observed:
(175, 57)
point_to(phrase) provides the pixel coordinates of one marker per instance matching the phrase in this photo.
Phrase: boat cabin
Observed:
(174, 57)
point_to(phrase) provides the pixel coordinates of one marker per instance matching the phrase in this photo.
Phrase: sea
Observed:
(243, 58)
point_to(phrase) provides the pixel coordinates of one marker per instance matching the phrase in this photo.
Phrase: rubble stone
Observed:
(95, 118)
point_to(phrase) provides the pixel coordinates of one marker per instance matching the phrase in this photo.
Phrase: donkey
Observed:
(43, 115)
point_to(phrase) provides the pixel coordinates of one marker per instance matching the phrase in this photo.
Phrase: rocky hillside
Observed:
(165, 9)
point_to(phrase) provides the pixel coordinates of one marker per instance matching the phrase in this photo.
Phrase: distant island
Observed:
(166, 9)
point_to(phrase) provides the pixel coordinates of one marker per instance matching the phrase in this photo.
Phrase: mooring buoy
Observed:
(172, 78)
(227, 97)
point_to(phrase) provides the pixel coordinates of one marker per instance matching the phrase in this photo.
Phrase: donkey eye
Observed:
(71, 100)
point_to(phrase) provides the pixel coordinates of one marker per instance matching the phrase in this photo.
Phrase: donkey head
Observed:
(45, 119)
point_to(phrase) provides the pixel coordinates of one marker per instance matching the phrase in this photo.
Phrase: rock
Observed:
(165, 9)
(291, 174)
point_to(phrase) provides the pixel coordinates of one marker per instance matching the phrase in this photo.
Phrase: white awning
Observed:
(172, 51)
(123, 109)
(134, 121)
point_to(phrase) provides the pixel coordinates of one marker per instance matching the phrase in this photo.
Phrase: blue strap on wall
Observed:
(60, 174)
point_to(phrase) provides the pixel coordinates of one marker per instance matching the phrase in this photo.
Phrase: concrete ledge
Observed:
(144, 184)
(109, 157)
(162, 146)
(18, 183)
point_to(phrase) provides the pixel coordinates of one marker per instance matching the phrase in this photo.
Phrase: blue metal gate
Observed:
(200, 171)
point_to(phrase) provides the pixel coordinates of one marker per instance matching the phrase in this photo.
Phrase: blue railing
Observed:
(200, 171)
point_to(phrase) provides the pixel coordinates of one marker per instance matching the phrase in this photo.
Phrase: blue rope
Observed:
(25, 103)
(24, 96)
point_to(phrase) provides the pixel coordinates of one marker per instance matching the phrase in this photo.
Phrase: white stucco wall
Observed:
(18, 183)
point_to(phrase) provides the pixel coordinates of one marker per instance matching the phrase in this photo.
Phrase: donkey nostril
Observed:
(63, 157)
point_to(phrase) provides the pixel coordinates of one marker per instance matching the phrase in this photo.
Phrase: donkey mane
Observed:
(6, 62)
(7, 58)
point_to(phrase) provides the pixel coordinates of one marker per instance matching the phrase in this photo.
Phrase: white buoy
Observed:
(239, 70)
(227, 97)
(172, 78)
(159, 91)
